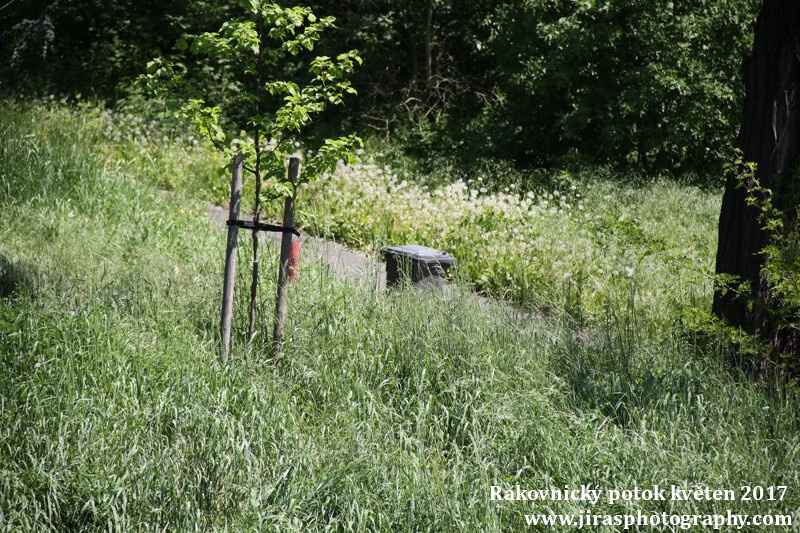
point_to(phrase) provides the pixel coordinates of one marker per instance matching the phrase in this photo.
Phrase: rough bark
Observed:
(769, 138)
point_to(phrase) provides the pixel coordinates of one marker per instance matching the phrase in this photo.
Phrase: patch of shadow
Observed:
(15, 277)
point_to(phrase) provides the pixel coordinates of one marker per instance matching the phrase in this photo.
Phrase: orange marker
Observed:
(294, 261)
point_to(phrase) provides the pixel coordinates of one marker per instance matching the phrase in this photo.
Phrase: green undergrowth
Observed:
(389, 412)
(579, 243)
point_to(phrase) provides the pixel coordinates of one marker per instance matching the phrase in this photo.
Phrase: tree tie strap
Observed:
(251, 225)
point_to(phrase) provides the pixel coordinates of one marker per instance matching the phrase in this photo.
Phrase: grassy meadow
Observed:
(389, 412)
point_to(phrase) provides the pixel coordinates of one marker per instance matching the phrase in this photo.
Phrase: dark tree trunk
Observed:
(769, 138)
(429, 43)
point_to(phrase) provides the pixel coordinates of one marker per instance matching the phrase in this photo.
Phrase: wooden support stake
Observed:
(283, 272)
(230, 255)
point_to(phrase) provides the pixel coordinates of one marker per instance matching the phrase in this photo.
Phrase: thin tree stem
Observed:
(257, 171)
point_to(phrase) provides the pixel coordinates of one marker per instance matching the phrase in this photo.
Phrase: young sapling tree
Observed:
(259, 116)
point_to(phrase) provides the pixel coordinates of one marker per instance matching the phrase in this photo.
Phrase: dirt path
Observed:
(358, 268)
(351, 266)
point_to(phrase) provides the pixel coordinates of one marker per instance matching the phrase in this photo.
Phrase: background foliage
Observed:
(644, 85)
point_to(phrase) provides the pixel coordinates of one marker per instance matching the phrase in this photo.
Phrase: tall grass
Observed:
(389, 412)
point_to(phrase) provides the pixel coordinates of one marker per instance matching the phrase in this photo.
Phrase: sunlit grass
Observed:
(389, 412)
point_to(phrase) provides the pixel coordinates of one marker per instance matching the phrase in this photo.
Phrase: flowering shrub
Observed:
(583, 245)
